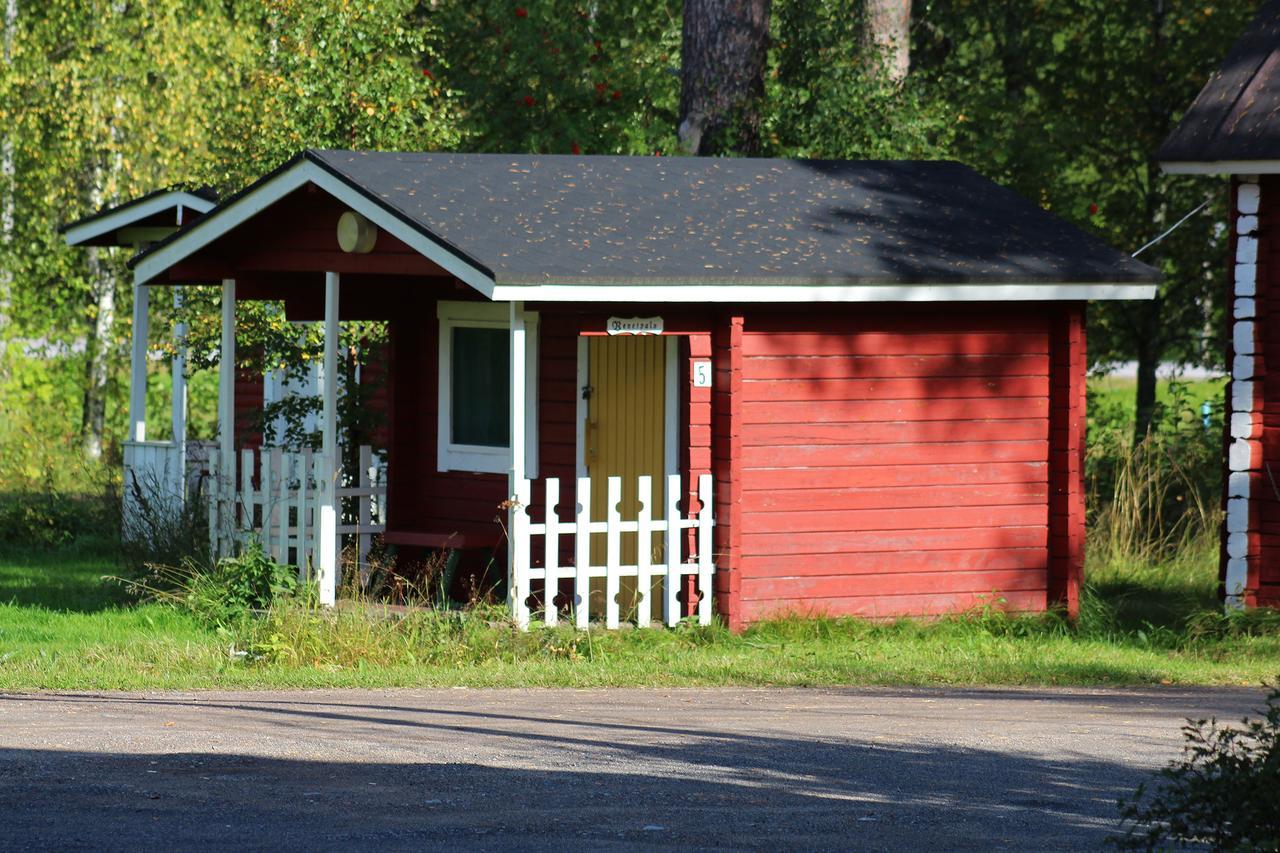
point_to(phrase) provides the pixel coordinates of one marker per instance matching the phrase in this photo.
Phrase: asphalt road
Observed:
(584, 769)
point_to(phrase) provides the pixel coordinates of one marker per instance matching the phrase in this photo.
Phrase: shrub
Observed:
(49, 519)
(223, 594)
(1224, 791)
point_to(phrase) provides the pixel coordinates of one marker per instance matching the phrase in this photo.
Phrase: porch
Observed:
(489, 415)
(436, 486)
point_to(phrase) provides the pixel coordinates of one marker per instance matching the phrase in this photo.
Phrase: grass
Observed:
(1118, 391)
(65, 628)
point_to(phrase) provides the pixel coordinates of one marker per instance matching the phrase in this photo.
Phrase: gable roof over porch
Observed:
(626, 229)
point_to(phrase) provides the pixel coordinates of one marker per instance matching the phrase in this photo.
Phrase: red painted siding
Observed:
(1066, 457)
(899, 461)
(728, 416)
(248, 407)
(422, 499)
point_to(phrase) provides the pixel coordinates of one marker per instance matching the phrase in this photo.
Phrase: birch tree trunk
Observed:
(8, 194)
(98, 355)
(887, 31)
(722, 75)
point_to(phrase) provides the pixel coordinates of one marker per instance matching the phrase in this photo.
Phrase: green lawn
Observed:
(64, 628)
(1117, 392)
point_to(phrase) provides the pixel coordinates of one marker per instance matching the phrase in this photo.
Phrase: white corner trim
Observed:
(247, 206)
(821, 292)
(1221, 167)
(130, 213)
(1242, 424)
(473, 458)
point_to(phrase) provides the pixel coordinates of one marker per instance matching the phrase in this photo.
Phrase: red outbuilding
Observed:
(1233, 128)
(771, 386)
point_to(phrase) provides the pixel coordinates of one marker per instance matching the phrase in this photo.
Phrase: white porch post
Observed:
(138, 365)
(224, 486)
(327, 571)
(179, 405)
(518, 547)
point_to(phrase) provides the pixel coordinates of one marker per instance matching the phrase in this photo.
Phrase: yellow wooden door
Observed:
(625, 436)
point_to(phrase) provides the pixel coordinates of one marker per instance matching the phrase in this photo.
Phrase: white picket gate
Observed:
(283, 510)
(672, 568)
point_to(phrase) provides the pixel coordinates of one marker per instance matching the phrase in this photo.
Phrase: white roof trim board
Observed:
(1223, 167)
(304, 170)
(127, 215)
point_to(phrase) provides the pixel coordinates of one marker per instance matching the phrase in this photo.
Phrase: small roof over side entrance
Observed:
(1233, 126)
(146, 219)
(691, 229)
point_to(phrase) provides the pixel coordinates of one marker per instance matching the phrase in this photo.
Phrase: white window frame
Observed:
(471, 457)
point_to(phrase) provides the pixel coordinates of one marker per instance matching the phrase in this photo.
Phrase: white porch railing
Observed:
(671, 566)
(283, 510)
(159, 477)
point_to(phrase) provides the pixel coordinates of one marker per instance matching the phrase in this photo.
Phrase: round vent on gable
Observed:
(356, 234)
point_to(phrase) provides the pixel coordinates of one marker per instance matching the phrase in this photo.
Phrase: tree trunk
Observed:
(98, 354)
(722, 76)
(1145, 397)
(887, 31)
(8, 193)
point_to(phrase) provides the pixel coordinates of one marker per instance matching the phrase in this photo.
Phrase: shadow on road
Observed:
(474, 779)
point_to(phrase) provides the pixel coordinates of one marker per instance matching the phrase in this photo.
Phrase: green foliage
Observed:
(1067, 103)
(333, 74)
(49, 519)
(1148, 501)
(827, 95)
(562, 76)
(1223, 792)
(225, 594)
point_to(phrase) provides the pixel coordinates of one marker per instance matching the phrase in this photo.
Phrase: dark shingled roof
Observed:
(1236, 116)
(531, 219)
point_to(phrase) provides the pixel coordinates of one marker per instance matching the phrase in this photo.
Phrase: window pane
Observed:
(481, 405)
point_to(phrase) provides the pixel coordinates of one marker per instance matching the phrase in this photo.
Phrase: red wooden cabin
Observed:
(1233, 128)
(880, 365)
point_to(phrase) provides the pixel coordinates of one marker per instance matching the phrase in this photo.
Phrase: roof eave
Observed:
(1221, 167)
(83, 231)
(825, 292)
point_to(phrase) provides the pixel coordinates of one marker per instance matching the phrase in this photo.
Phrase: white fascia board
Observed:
(306, 172)
(822, 293)
(127, 216)
(1222, 167)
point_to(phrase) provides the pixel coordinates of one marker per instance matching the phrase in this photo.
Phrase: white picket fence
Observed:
(283, 511)
(673, 568)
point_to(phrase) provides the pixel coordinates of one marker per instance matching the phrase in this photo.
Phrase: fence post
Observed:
(214, 496)
(281, 504)
(248, 498)
(613, 553)
(582, 555)
(551, 562)
(265, 458)
(519, 591)
(644, 552)
(671, 587)
(362, 514)
(705, 522)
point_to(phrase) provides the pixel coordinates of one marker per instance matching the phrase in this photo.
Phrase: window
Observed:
(475, 388)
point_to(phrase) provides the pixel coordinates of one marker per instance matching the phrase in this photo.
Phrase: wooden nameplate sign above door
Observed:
(634, 326)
